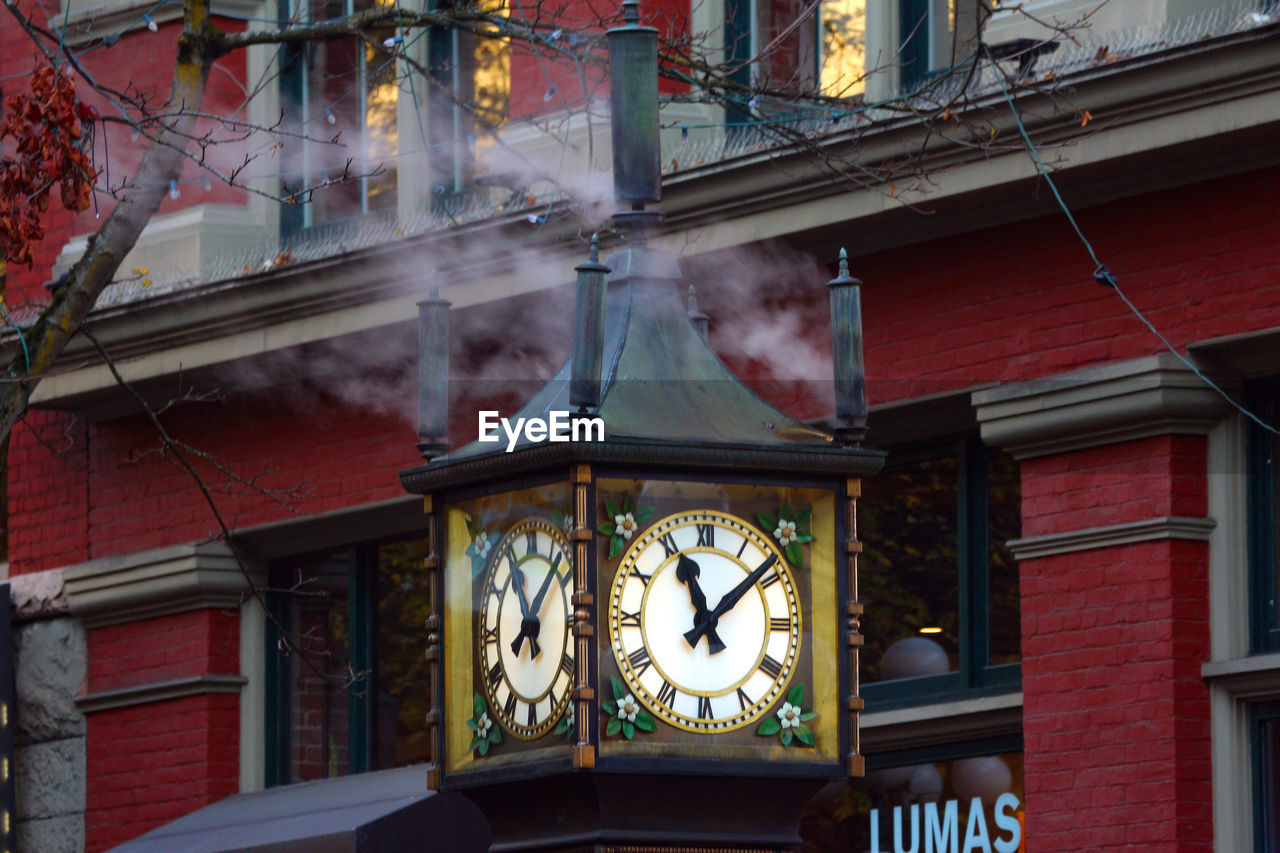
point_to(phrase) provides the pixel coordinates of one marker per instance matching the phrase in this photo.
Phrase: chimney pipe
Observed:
(588, 332)
(433, 375)
(846, 352)
(633, 92)
(701, 322)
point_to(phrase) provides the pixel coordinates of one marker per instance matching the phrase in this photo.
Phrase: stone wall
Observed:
(50, 668)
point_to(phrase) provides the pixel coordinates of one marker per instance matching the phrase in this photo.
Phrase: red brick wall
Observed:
(48, 492)
(1115, 713)
(151, 763)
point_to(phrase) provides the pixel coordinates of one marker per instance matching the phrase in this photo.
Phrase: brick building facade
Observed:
(1079, 530)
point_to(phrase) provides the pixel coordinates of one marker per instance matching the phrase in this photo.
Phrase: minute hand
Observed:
(730, 599)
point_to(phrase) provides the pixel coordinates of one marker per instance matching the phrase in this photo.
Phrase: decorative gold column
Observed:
(855, 763)
(584, 754)
(431, 563)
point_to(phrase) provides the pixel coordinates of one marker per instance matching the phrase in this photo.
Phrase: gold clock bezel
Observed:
(487, 662)
(621, 653)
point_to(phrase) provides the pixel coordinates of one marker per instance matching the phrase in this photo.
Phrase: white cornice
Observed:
(1206, 109)
(162, 691)
(154, 583)
(944, 722)
(1092, 538)
(1124, 401)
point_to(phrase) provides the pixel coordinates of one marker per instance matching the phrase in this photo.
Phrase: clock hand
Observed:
(687, 571)
(517, 580)
(536, 607)
(730, 599)
(533, 621)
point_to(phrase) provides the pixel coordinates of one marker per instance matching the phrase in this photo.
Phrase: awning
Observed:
(386, 812)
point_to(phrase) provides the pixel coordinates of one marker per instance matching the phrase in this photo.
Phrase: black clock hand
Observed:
(687, 571)
(729, 599)
(527, 620)
(535, 609)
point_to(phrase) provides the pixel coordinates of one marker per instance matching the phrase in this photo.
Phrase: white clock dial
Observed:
(704, 621)
(526, 652)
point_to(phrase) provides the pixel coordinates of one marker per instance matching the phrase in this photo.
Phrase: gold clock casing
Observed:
(688, 685)
(527, 693)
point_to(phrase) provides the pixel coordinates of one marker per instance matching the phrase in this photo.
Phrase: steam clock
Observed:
(645, 641)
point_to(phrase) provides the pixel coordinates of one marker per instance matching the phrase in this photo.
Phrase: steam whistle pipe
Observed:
(846, 353)
(588, 332)
(701, 322)
(633, 92)
(433, 375)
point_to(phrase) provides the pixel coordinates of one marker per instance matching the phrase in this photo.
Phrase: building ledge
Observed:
(929, 725)
(155, 583)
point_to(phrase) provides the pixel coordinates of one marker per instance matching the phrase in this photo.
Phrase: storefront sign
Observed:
(935, 828)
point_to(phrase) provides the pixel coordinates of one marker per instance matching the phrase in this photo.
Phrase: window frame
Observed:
(1264, 632)
(974, 676)
(362, 622)
(1265, 835)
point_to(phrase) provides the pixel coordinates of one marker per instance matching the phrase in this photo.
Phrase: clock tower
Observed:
(648, 640)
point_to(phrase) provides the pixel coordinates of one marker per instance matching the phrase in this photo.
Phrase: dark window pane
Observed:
(909, 573)
(319, 673)
(1004, 513)
(403, 693)
(1273, 446)
(1269, 753)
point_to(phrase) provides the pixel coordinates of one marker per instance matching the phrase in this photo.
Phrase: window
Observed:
(939, 584)
(847, 48)
(470, 94)
(343, 90)
(826, 50)
(1266, 776)
(910, 800)
(1264, 521)
(352, 694)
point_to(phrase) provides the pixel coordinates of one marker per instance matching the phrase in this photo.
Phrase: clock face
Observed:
(525, 650)
(704, 621)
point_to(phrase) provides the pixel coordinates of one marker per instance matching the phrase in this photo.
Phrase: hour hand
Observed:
(687, 572)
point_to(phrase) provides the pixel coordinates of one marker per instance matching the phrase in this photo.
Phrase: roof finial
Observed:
(844, 262)
(594, 255)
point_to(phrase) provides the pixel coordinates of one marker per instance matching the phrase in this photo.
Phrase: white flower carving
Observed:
(789, 715)
(625, 524)
(482, 545)
(628, 708)
(785, 531)
(483, 724)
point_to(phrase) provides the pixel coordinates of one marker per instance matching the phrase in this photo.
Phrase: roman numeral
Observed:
(490, 635)
(743, 547)
(779, 623)
(510, 705)
(566, 579)
(667, 694)
(707, 535)
(629, 620)
(533, 716)
(704, 708)
(768, 580)
(644, 579)
(566, 665)
(495, 675)
(639, 660)
(771, 667)
(531, 542)
(744, 701)
(669, 544)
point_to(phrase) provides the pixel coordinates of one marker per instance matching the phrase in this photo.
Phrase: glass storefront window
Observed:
(969, 803)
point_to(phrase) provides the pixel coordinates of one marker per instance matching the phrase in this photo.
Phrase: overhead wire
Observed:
(1101, 274)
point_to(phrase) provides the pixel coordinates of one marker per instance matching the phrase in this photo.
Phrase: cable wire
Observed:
(1101, 274)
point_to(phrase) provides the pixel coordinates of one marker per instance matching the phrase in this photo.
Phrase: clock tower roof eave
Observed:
(664, 393)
